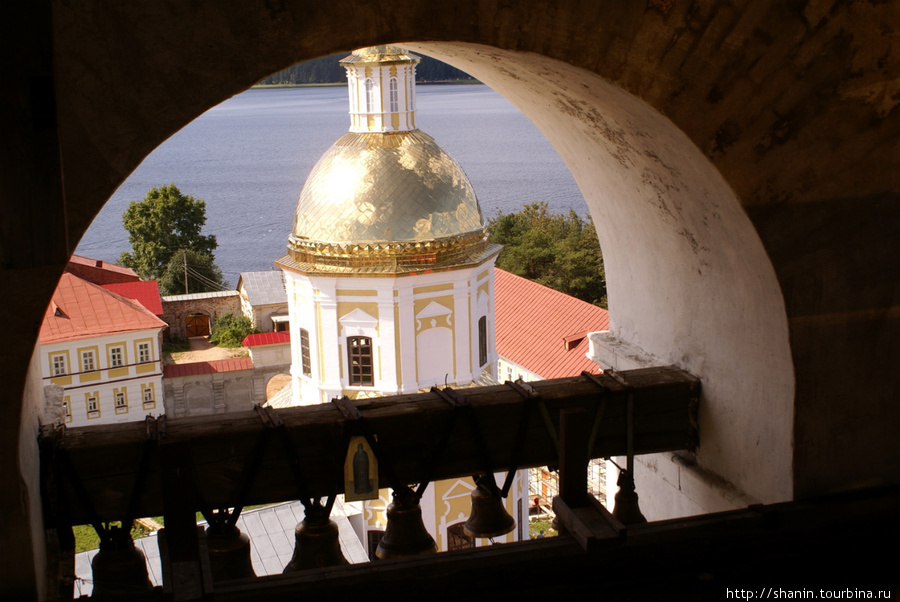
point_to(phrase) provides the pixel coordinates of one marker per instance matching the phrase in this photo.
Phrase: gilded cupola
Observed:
(385, 198)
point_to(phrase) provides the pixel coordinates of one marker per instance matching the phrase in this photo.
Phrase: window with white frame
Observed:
(67, 406)
(93, 406)
(148, 397)
(482, 341)
(143, 352)
(370, 96)
(59, 364)
(121, 403)
(359, 350)
(304, 352)
(394, 95)
(87, 361)
(116, 357)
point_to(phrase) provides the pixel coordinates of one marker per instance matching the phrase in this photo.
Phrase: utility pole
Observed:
(184, 255)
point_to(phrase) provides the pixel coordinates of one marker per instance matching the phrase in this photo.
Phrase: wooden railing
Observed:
(176, 467)
(835, 542)
(120, 470)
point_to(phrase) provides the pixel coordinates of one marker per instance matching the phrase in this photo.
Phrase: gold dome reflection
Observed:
(371, 188)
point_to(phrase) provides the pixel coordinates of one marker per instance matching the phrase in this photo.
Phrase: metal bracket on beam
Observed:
(348, 410)
(619, 378)
(522, 388)
(595, 378)
(268, 416)
(452, 397)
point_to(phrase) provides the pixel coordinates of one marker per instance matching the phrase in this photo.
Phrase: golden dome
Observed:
(379, 54)
(393, 202)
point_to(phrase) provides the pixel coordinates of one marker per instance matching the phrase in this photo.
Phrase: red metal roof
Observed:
(211, 367)
(80, 309)
(99, 271)
(267, 338)
(544, 330)
(145, 292)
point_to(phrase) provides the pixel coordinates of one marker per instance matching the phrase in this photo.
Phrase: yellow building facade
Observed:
(102, 351)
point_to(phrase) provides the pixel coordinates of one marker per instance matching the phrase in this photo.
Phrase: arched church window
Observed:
(457, 538)
(304, 352)
(482, 341)
(359, 350)
(394, 96)
(370, 96)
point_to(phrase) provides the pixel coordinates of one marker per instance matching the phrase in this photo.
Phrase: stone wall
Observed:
(176, 310)
(261, 315)
(217, 392)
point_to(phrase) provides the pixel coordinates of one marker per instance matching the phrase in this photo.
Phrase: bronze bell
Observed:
(405, 534)
(119, 568)
(626, 510)
(229, 553)
(316, 542)
(488, 518)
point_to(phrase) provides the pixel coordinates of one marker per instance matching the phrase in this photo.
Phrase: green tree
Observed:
(230, 329)
(165, 222)
(200, 270)
(558, 251)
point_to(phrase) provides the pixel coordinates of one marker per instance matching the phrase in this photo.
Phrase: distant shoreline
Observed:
(460, 82)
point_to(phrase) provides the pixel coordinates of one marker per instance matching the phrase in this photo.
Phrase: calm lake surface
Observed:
(249, 156)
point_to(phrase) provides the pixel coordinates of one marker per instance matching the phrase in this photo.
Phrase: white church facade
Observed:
(390, 276)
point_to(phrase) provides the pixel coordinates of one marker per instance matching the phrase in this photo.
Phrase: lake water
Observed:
(249, 156)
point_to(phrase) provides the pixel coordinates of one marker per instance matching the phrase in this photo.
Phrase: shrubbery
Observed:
(557, 250)
(229, 330)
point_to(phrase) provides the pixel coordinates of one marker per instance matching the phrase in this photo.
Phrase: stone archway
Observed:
(276, 384)
(675, 119)
(669, 225)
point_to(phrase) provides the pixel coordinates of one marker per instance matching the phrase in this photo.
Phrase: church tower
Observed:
(390, 277)
(389, 273)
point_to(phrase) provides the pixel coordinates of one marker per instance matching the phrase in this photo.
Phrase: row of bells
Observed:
(119, 568)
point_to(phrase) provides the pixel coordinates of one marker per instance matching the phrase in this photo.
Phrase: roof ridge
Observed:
(92, 310)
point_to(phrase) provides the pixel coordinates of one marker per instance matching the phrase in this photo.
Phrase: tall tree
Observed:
(558, 251)
(195, 271)
(165, 222)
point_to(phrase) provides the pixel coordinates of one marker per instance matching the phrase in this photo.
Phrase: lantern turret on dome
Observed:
(382, 88)
(385, 198)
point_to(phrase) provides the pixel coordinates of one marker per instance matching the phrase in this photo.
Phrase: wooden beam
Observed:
(408, 427)
(834, 542)
(591, 524)
(574, 431)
